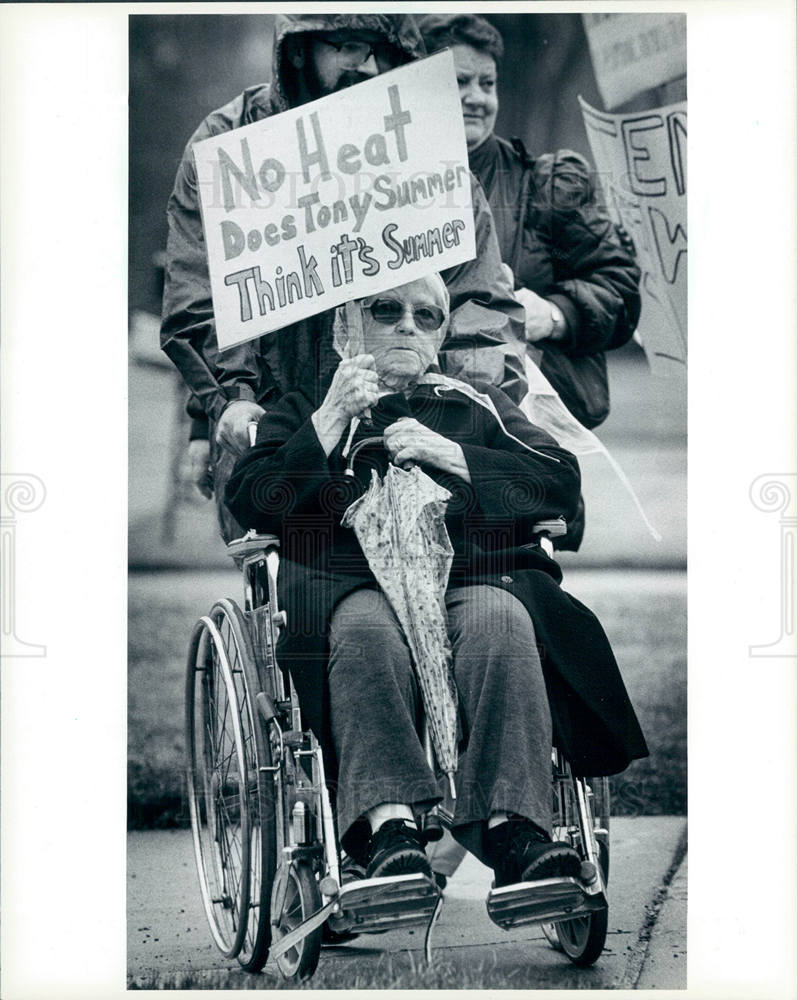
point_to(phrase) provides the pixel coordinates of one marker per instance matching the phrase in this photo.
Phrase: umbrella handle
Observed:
(349, 470)
(352, 452)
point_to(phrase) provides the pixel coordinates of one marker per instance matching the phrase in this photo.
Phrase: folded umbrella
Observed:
(400, 525)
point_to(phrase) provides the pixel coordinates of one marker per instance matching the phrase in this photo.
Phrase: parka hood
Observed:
(399, 30)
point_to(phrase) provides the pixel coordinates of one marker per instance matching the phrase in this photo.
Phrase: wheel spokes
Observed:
(227, 785)
(224, 840)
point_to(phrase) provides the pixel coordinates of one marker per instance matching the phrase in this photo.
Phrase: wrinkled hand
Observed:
(409, 441)
(539, 320)
(232, 430)
(199, 470)
(354, 388)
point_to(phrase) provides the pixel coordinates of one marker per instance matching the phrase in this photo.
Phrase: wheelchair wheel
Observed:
(301, 900)
(549, 930)
(231, 799)
(583, 938)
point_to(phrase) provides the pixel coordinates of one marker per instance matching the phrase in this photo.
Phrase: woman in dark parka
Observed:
(578, 284)
(530, 662)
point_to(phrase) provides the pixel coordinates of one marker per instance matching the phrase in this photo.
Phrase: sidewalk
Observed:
(664, 966)
(168, 933)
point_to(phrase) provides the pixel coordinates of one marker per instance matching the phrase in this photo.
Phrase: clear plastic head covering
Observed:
(347, 328)
(541, 404)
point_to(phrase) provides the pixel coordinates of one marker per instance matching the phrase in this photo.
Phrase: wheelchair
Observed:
(273, 882)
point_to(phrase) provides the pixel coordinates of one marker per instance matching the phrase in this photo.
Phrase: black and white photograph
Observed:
(397, 521)
(407, 551)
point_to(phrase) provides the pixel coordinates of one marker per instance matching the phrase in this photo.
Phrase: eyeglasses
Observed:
(354, 54)
(388, 312)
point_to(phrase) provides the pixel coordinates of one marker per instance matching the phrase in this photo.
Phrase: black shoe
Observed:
(520, 852)
(397, 849)
(350, 871)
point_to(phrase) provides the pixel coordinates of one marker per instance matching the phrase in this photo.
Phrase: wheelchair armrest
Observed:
(555, 527)
(251, 543)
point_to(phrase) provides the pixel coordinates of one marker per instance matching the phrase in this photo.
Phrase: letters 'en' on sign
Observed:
(641, 161)
(341, 198)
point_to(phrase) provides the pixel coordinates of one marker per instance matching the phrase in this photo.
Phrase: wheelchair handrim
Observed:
(230, 941)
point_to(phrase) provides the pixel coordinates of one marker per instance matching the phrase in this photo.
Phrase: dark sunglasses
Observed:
(354, 54)
(388, 312)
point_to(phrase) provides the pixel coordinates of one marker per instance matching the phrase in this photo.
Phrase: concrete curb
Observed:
(660, 950)
(664, 967)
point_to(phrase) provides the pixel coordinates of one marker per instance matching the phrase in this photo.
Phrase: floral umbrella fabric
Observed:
(400, 525)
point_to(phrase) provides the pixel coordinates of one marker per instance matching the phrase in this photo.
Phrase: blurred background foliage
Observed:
(184, 66)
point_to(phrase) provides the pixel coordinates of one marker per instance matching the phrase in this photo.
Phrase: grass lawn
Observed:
(396, 972)
(644, 614)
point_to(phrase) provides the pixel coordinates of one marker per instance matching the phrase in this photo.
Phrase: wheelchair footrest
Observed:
(383, 904)
(542, 901)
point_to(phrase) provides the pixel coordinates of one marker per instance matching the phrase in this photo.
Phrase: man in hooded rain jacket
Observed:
(230, 389)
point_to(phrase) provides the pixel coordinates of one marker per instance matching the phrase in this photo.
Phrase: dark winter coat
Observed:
(486, 334)
(555, 235)
(560, 242)
(286, 485)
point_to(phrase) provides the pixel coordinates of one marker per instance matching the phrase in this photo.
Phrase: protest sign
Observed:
(641, 160)
(632, 53)
(341, 198)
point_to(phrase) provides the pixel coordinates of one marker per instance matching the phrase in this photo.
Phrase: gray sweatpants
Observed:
(375, 706)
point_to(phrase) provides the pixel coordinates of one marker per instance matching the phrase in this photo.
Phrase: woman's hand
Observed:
(354, 389)
(408, 441)
(540, 323)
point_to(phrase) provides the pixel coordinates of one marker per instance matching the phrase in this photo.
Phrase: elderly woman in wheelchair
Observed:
(532, 666)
